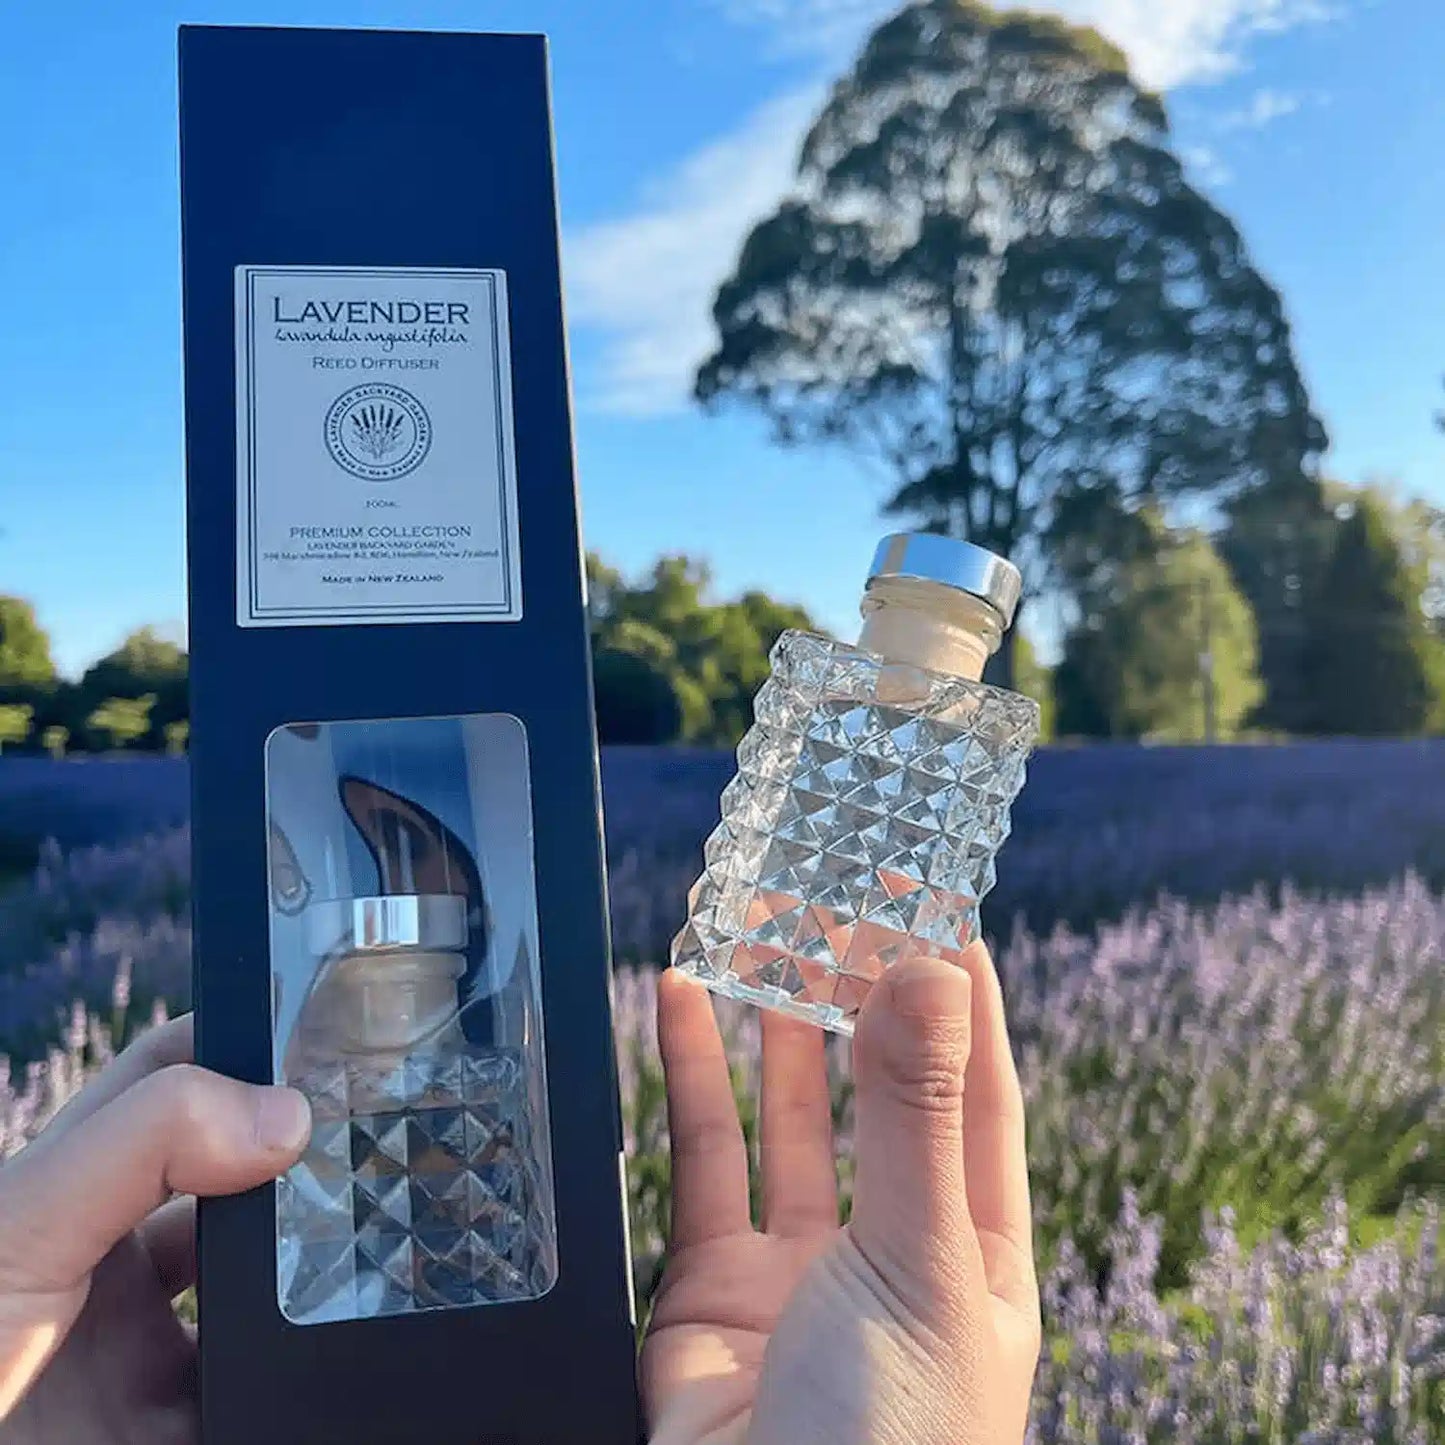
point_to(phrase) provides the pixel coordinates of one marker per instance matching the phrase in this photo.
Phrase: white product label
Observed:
(375, 460)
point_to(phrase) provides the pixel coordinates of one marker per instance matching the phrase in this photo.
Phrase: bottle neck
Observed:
(928, 625)
(389, 1001)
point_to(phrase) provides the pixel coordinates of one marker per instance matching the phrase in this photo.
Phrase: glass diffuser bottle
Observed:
(873, 792)
(420, 1187)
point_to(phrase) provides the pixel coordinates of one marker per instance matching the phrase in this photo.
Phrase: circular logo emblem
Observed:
(378, 432)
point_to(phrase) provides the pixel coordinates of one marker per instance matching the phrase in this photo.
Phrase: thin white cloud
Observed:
(1263, 107)
(642, 283)
(1206, 166)
(646, 280)
(807, 26)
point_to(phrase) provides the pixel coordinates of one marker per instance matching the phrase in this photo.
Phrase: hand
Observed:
(917, 1323)
(94, 1247)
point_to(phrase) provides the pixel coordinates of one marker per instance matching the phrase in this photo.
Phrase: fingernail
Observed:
(283, 1120)
(929, 988)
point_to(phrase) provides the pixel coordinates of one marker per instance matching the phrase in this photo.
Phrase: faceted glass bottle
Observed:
(420, 1189)
(873, 792)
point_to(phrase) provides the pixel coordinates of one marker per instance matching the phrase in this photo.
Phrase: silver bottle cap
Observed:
(926, 557)
(387, 922)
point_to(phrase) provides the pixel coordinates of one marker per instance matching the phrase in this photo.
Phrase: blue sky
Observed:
(1317, 123)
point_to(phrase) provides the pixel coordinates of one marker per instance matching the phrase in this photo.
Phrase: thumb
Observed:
(910, 1204)
(64, 1204)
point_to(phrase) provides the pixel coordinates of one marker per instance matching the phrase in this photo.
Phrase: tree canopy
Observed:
(1166, 649)
(120, 721)
(664, 632)
(1418, 529)
(1281, 542)
(25, 661)
(15, 718)
(636, 698)
(994, 278)
(1277, 541)
(1376, 666)
(145, 662)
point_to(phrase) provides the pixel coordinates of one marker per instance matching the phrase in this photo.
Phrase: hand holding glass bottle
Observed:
(918, 1322)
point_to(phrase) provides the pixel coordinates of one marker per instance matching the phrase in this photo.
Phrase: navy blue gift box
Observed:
(382, 524)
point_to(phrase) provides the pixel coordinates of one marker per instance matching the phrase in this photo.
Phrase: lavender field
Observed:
(1096, 832)
(1227, 994)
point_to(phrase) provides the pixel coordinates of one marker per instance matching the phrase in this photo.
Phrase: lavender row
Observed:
(1096, 832)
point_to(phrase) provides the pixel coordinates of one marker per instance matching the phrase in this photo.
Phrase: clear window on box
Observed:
(406, 1006)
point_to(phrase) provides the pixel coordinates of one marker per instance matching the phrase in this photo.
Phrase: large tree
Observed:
(25, 661)
(1375, 663)
(146, 664)
(1165, 649)
(1418, 527)
(994, 278)
(1277, 540)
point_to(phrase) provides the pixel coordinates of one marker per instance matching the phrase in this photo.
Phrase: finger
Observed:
(995, 1149)
(169, 1236)
(910, 1209)
(179, 1131)
(709, 1157)
(169, 1043)
(800, 1179)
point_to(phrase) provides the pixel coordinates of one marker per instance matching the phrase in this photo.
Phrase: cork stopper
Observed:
(393, 964)
(936, 603)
